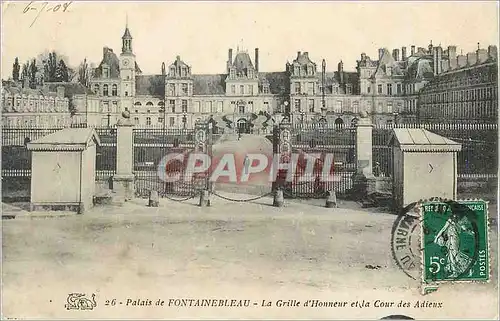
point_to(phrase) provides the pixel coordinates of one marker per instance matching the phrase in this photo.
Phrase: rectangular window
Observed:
(379, 89)
(338, 106)
(398, 88)
(160, 119)
(171, 105)
(208, 107)
(136, 120)
(233, 89)
(311, 105)
(185, 89)
(172, 121)
(266, 106)
(250, 89)
(241, 109)
(296, 103)
(368, 89)
(348, 89)
(355, 106)
(389, 107)
(197, 107)
(148, 121)
(389, 89)
(220, 107)
(265, 89)
(171, 90)
(297, 88)
(184, 106)
(250, 107)
(242, 89)
(233, 107)
(310, 88)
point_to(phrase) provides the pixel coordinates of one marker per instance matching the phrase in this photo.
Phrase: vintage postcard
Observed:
(249, 160)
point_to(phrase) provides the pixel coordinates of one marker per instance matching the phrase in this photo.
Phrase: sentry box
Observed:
(63, 170)
(425, 166)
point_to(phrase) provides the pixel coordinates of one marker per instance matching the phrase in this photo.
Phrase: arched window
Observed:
(339, 122)
(105, 90)
(114, 90)
(161, 103)
(354, 121)
(149, 103)
(137, 103)
(96, 88)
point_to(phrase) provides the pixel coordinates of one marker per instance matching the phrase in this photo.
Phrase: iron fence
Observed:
(150, 146)
(478, 157)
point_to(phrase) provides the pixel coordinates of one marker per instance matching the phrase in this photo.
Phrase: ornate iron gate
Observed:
(327, 144)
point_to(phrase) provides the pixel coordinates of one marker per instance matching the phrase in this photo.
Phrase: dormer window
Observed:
(265, 89)
(296, 70)
(183, 72)
(105, 72)
(232, 73)
(172, 71)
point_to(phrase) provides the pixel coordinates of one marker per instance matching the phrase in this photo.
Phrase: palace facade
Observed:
(466, 91)
(391, 88)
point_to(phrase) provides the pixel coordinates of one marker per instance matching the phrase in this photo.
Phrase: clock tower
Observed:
(127, 71)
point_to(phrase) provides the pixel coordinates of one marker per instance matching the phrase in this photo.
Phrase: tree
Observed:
(84, 73)
(52, 66)
(61, 73)
(32, 74)
(15, 70)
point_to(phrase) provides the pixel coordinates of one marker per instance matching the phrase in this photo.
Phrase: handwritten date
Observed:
(40, 7)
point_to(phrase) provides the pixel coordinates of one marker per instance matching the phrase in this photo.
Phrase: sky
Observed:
(202, 32)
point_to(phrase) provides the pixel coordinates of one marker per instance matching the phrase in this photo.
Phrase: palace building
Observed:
(465, 90)
(386, 88)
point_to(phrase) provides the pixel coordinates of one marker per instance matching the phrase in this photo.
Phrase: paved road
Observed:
(231, 250)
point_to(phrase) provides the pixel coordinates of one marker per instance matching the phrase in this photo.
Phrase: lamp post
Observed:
(395, 116)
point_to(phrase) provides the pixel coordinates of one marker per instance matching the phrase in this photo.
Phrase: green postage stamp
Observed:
(455, 241)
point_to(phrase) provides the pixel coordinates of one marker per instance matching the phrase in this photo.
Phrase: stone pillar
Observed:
(363, 178)
(364, 151)
(123, 180)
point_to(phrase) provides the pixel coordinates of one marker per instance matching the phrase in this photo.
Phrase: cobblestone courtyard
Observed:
(230, 250)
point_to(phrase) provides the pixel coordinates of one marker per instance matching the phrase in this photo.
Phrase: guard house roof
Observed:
(68, 139)
(421, 140)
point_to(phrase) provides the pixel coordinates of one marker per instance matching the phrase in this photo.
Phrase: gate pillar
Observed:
(364, 156)
(202, 145)
(123, 180)
(282, 145)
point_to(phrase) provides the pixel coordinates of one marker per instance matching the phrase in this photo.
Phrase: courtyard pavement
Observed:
(252, 251)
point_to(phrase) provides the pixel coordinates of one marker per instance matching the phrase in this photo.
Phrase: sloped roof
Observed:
(303, 58)
(212, 84)
(137, 69)
(127, 34)
(179, 63)
(278, 81)
(17, 89)
(242, 61)
(68, 139)
(109, 58)
(420, 68)
(422, 140)
(70, 88)
(151, 85)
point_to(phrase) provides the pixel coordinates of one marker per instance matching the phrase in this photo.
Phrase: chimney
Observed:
(403, 53)
(60, 92)
(395, 54)
(452, 56)
(439, 59)
(435, 60)
(461, 61)
(412, 52)
(340, 69)
(380, 53)
(492, 52)
(471, 58)
(230, 56)
(482, 55)
(298, 54)
(257, 59)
